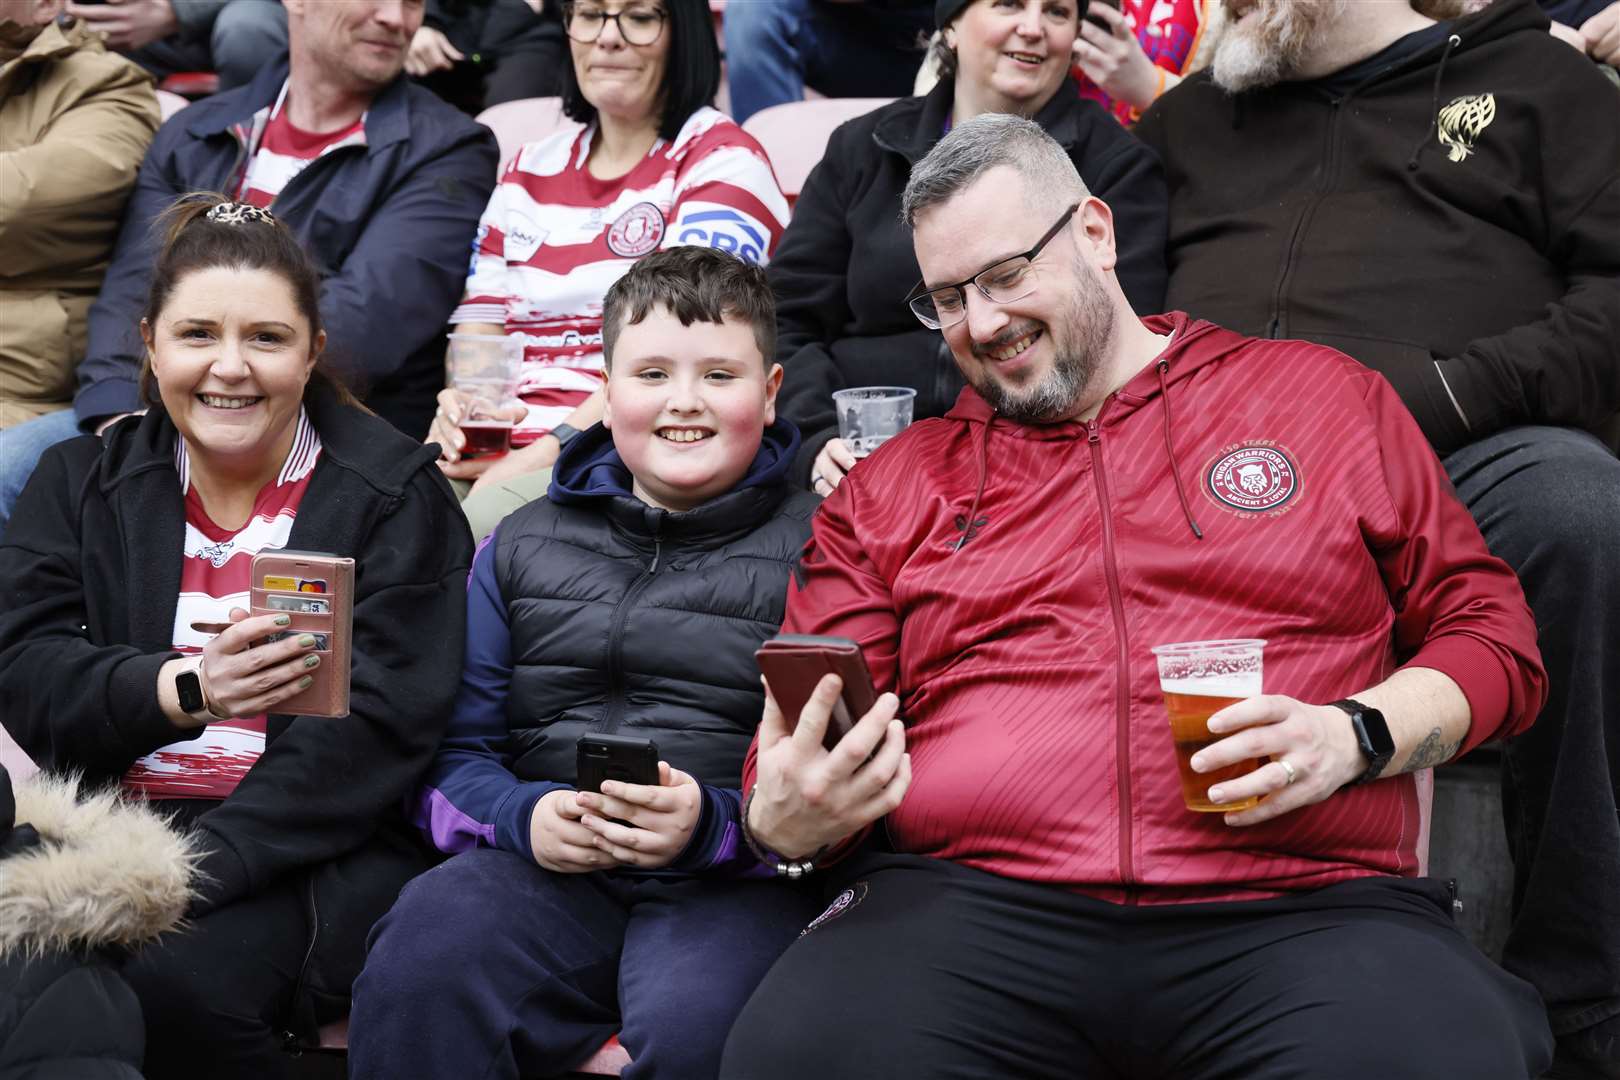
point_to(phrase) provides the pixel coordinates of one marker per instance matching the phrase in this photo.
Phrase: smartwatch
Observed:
(188, 688)
(563, 433)
(1372, 736)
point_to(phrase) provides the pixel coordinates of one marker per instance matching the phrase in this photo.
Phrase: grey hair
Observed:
(985, 142)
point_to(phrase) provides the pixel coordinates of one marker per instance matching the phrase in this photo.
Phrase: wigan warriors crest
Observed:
(1463, 121)
(1257, 478)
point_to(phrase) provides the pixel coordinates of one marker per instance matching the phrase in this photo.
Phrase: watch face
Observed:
(189, 689)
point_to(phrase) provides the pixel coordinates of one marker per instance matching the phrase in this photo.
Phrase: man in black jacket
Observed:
(1441, 200)
(389, 214)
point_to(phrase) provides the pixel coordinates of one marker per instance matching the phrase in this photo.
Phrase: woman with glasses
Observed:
(845, 266)
(648, 164)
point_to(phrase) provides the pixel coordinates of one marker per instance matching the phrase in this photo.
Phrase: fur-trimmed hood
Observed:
(108, 871)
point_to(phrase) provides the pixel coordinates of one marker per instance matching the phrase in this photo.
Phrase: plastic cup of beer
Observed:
(485, 368)
(869, 416)
(1199, 678)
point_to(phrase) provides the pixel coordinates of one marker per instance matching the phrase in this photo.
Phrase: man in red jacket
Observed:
(1037, 901)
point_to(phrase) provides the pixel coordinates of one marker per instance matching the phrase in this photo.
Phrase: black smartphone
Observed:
(1094, 20)
(629, 759)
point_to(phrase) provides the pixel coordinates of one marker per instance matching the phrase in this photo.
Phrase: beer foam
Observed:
(1237, 684)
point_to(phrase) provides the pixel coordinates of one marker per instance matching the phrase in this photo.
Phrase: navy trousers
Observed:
(926, 968)
(489, 966)
(1548, 503)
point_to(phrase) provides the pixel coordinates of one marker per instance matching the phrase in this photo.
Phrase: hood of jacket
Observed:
(912, 126)
(38, 44)
(589, 471)
(1179, 360)
(107, 872)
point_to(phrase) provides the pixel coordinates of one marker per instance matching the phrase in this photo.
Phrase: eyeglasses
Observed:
(637, 25)
(1006, 281)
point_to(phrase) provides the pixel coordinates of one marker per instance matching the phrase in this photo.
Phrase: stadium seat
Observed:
(169, 103)
(191, 84)
(795, 135)
(517, 122)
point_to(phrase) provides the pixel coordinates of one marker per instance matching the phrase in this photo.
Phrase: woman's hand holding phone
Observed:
(558, 841)
(807, 797)
(661, 818)
(241, 678)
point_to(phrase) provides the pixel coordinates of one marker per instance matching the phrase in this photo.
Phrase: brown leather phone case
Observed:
(301, 584)
(794, 663)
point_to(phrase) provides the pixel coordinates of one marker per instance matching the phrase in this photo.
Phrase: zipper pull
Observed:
(1093, 432)
(658, 550)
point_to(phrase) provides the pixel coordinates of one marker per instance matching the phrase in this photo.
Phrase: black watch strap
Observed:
(1372, 735)
(563, 433)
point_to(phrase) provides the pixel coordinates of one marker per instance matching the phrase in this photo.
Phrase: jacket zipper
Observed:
(291, 1041)
(1274, 326)
(621, 615)
(1127, 869)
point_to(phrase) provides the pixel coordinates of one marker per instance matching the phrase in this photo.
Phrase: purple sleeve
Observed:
(470, 797)
(717, 846)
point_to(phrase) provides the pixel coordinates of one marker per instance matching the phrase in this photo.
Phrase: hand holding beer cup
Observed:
(473, 423)
(1199, 678)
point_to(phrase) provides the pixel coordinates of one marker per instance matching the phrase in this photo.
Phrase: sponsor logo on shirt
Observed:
(723, 230)
(1462, 122)
(1255, 478)
(523, 239)
(637, 231)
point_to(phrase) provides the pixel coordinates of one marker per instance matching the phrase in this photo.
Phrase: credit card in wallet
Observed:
(305, 605)
(320, 639)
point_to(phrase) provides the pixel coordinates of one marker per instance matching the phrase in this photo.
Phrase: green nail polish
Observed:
(306, 682)
(311, 661)
(283, 620)
(307, 641)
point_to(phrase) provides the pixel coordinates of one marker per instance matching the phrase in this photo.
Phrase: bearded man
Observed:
(1441, 200)
(1025, 892)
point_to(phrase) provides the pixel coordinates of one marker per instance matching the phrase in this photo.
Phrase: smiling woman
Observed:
(121, 554)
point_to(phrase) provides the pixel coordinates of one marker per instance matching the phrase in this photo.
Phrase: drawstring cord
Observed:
(1170, 449)
(1434, 107)
(984, 475)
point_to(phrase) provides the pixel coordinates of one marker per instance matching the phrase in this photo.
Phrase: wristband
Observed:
(792, 869)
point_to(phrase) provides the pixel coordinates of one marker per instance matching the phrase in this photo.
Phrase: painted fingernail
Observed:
(307, 641)
(306, 682)
(311, 661)
(283, 620)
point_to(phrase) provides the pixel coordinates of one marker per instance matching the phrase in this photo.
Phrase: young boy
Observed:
(629, 601)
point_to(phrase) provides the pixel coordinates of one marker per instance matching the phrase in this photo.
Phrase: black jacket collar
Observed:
(916, 124)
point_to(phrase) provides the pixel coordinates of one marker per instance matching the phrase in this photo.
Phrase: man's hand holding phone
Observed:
(661, 818)
(807, 797)
(559, 842)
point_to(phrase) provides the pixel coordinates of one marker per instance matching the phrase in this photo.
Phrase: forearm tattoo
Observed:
(1432, 751)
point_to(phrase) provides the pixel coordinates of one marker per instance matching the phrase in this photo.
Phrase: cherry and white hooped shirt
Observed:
(215, 577)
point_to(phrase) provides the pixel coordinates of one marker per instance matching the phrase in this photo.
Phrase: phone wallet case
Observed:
(794, 663)
(292, 576)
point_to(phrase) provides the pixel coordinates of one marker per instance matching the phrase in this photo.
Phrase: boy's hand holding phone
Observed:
(807, 797)
(661, 818)
(557, 839)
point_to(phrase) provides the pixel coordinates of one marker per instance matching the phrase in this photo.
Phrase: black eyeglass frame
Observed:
(568, 18)
(921, 290)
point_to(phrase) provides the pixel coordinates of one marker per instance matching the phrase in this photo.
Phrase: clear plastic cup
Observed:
(485, 367)
(1199, 678)
(869, 416)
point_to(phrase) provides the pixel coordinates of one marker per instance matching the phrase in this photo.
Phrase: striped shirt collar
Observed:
(301, 457)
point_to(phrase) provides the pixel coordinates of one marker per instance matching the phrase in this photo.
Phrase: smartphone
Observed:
(794, 663)
(315, 590)
(629, 759)
(1098, 23)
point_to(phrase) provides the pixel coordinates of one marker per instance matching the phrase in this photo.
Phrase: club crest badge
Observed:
(1462, 122)
(841, 903)
(637, 231)
(1255, 478)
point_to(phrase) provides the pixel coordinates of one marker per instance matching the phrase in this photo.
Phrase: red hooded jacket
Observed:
(1038, 736)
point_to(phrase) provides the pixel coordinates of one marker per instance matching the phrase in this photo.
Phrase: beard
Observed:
(1087, 325)
(1268, 45)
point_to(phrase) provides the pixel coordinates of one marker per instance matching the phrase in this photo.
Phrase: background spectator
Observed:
(122, 553)
(478, 53)
(1441, 201)
(840, 48)
(234, 38)
(388, 212)
(649, 164)
(846, 260)
(1593, 26)
(74, 124)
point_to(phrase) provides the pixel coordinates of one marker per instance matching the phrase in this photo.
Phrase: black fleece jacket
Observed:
(846, 263)
(1453, 222)
(89, 581)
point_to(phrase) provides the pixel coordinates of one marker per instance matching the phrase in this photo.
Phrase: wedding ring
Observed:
(1293, 774)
